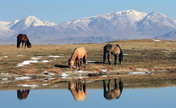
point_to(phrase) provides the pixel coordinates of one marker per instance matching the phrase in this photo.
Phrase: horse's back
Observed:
(81, 51)
(113, 48)
(22, 37)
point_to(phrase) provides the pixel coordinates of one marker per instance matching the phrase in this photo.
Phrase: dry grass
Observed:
(148, 54)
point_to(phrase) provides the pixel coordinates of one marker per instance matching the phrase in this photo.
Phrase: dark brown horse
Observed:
(79, 92)
(22, 94)
(113, 93)
(22, 38)
(115, 50)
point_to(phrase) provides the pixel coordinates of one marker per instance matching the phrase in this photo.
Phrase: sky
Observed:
(59, 11)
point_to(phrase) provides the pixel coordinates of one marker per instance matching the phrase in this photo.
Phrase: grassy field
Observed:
(139, 55)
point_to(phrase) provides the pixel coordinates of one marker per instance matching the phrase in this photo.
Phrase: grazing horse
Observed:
(22, 94)
(79, 92)
(78, 55)
(115, 50)
(114, 93)
(22, 38)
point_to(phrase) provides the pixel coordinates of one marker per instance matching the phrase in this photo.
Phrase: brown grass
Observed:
(142, 54)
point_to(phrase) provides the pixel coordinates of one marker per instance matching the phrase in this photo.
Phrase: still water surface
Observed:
(164, 97)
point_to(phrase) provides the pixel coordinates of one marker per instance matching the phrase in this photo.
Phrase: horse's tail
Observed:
(104, 55)
(120, 55)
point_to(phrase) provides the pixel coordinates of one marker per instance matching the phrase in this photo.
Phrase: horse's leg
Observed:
(77, 64)
(104, 86)
(80, 62)
(115, 85)
(77, 85)
(25, 45)
(109, 55)
(84, 87)
(22, 45)
(104, 57)
(84, 60)
(109, 86)
(115, 59)
(80, 84)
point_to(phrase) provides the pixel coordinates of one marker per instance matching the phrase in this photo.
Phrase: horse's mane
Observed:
(73, 54)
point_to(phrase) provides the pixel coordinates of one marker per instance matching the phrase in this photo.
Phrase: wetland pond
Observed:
(76, 93)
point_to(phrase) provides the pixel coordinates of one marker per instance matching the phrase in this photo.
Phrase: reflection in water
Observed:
(113, 93)
(79, 92)
(22, 94)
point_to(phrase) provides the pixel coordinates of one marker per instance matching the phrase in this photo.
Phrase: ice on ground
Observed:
(4, 79)
(138, 73)
(45, 72)
(55, 56)
(35, 58)
(4, 73)
(44, 61)
(27, 62)
(125, 54)
(64, 75)
(5, 56)
(20, 55)
(105, 70)
(91, 61)
(156, 40)
(44, 84)
(104, 75)
(22, 78)
(26, 85)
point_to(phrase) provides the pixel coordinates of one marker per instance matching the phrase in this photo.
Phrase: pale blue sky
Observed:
(59, 11)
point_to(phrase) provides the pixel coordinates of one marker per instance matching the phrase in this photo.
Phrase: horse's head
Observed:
(70, 63)
(29, 45)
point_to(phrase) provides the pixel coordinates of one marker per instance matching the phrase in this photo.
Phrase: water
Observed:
(62, 98)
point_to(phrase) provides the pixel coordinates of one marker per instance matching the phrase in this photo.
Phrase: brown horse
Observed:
(22, 38)
(78, 55)
(114, 93)
(79, 92)
(22, 94)
(115, 50)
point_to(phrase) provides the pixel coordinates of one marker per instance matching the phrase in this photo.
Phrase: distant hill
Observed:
(168, 36)
(127, 24)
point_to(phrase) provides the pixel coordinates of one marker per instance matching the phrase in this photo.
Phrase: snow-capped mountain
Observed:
(127, 24)
(28, 22)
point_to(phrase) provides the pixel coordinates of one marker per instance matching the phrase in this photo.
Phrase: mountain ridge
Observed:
(126, 24)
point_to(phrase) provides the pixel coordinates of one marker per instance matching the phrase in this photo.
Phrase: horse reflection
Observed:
(113, 93)
(22, 94)
(79, 92)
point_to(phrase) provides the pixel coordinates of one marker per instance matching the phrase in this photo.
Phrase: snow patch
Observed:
(54, 56)
(22, 78)
(156, 40)
(91, 61)
(4, 79)
(44, 61)
(105, 70)
(26, 85)
(64, 75)
(27, 62)
(138, 73)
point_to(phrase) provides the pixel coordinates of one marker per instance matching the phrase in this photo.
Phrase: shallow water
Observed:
(62, 98)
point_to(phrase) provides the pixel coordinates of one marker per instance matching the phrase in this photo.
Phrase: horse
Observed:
(114, 93)
(22, 94)
(22, 38)
(115, 50)
(79, 92)
(78, 55)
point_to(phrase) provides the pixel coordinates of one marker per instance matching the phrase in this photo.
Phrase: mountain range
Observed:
(127, 24)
